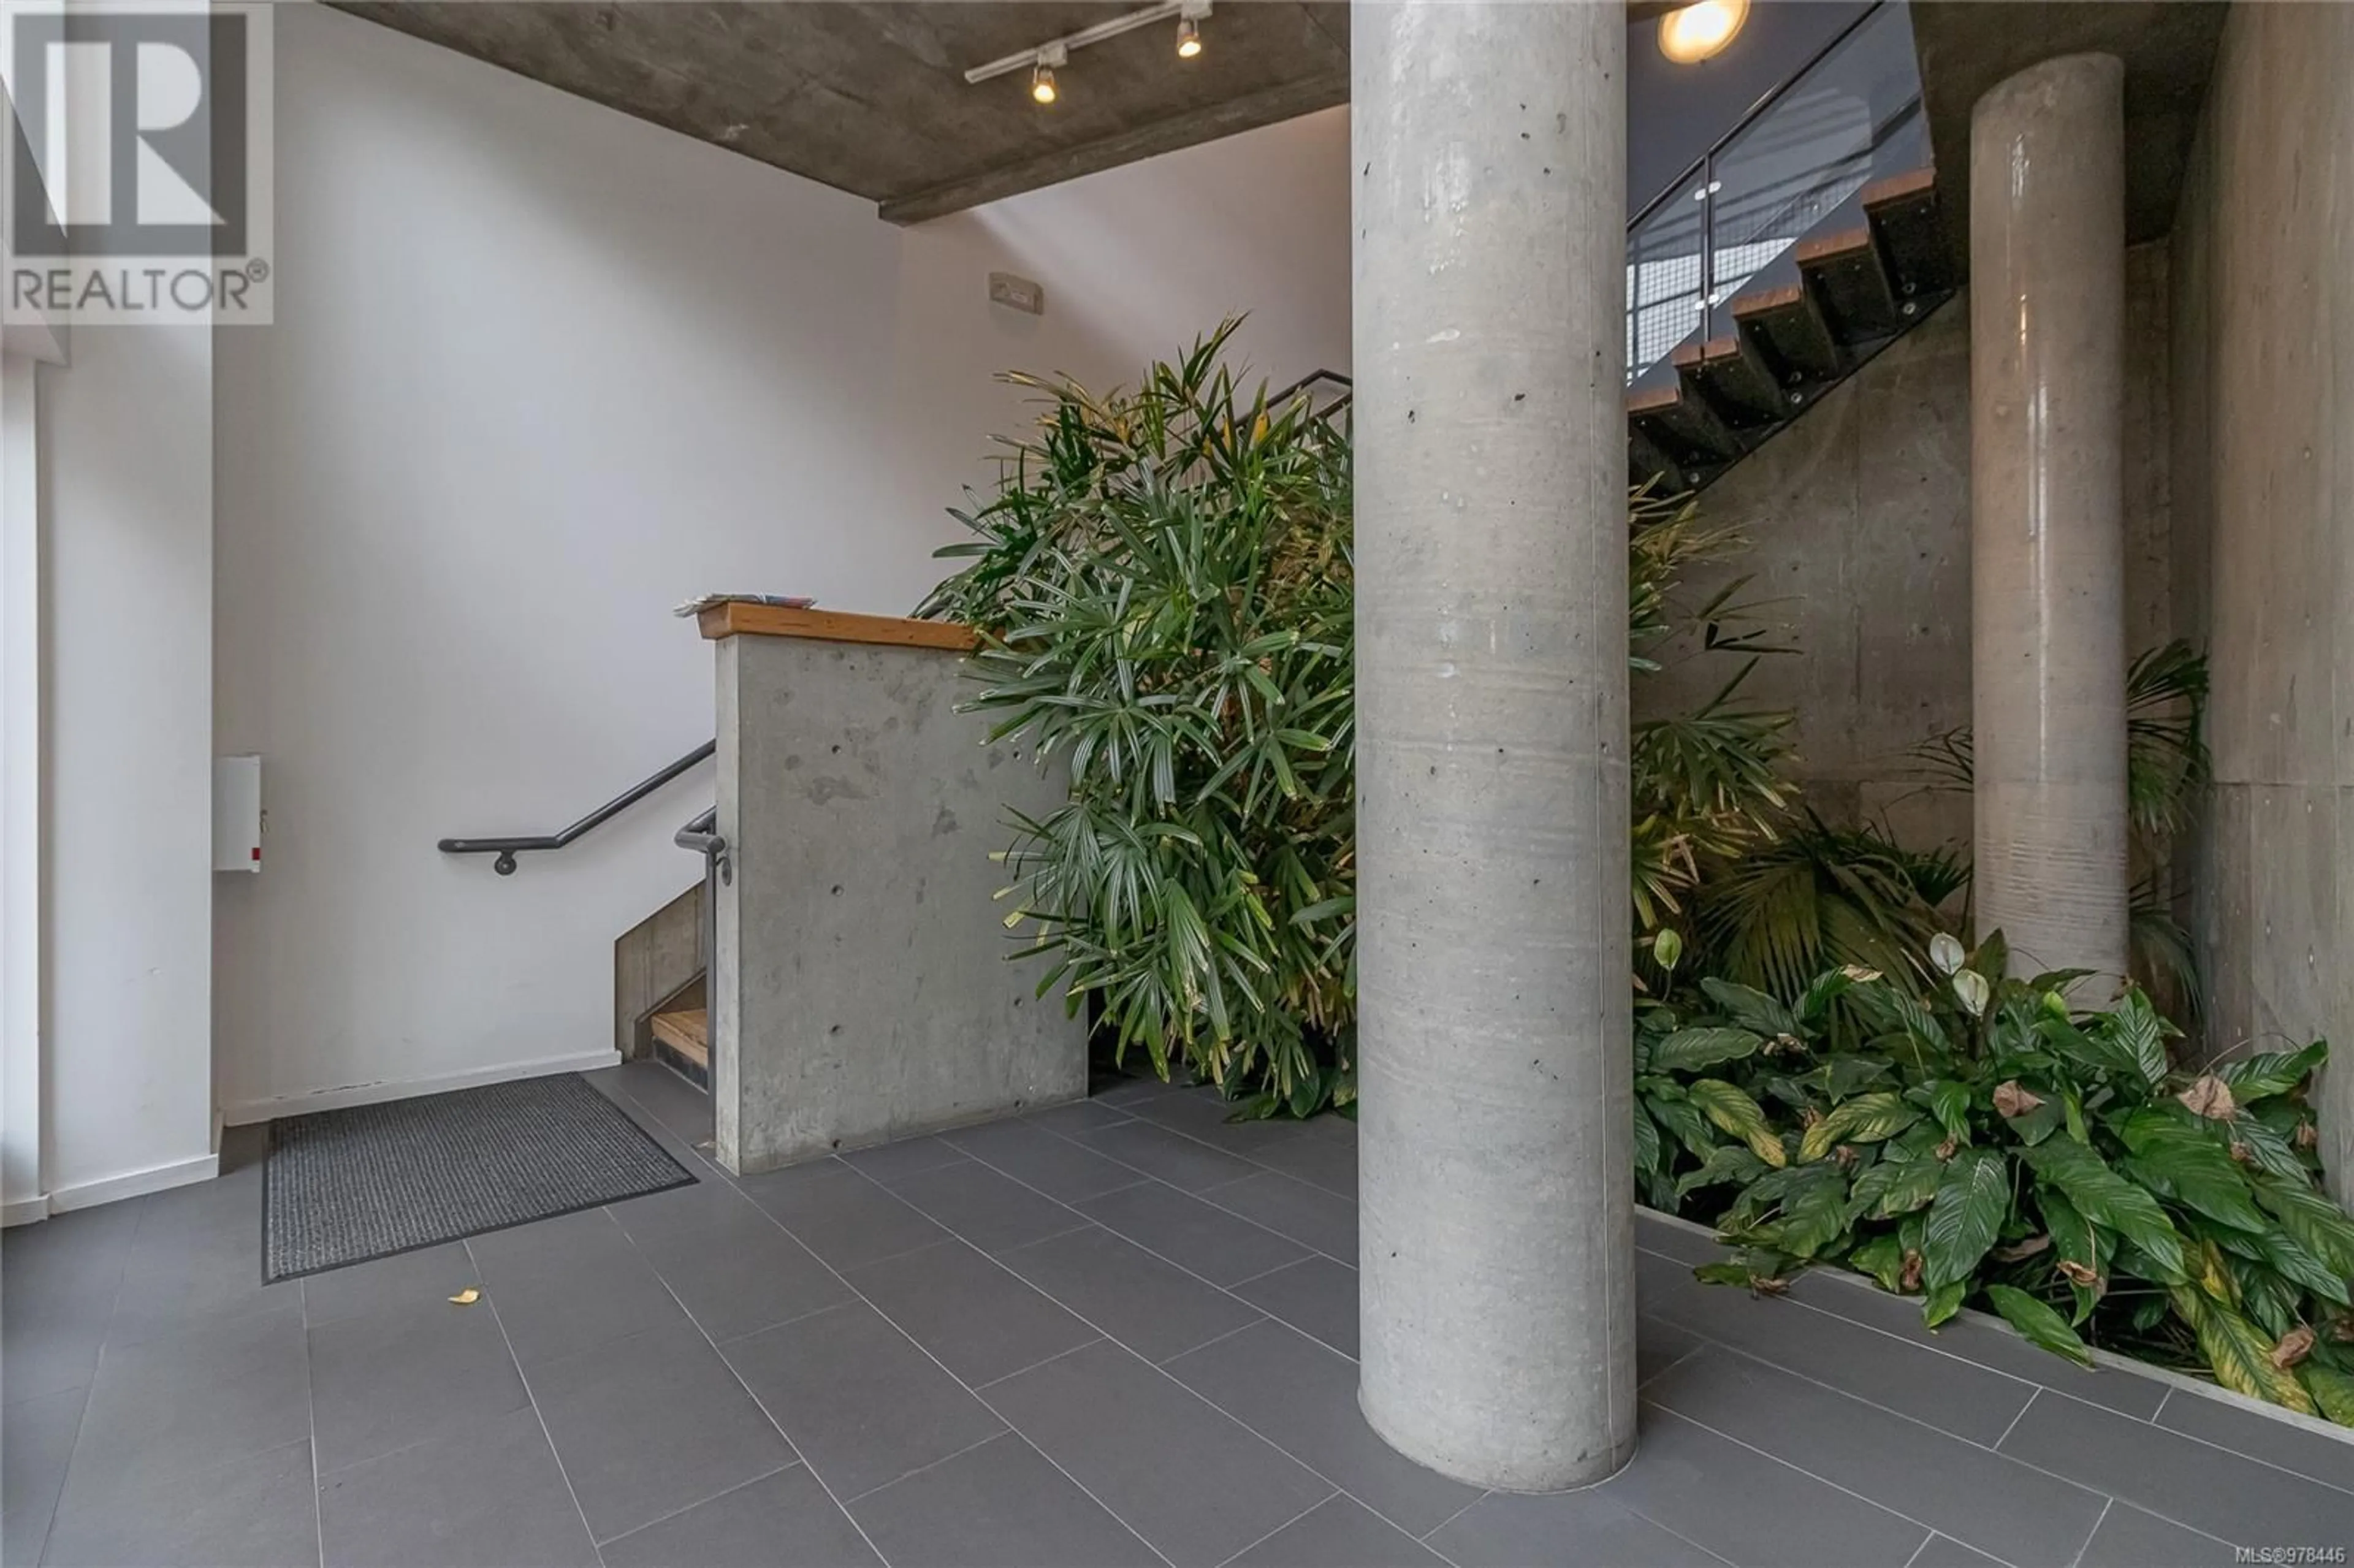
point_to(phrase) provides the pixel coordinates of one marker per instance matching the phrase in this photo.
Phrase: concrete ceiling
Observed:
(2169, 49)
(871, 98)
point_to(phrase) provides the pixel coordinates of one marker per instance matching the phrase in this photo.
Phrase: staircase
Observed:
(1857, 289)
(1817, 217)
(682, 1041)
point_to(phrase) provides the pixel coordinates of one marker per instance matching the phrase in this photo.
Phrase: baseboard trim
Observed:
(24, 1211)
(135, 1184)
(243, 1113)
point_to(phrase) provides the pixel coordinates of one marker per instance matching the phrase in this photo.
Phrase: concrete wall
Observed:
(1858, 522)
(865, 990)
(2263, 320)
(541, 371)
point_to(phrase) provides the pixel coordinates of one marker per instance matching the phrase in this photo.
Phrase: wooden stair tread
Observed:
(686, 1032)
(1920, 182)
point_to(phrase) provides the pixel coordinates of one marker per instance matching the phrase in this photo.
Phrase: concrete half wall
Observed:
(862, 988)
(2263, 462)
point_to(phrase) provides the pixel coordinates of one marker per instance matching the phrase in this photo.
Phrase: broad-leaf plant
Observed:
(1980, 1140)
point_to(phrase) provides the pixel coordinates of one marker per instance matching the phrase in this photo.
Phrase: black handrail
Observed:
(1304, 383)
(507, 849)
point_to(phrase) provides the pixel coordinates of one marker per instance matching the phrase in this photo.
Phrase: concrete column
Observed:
(2047, 524)
(1496, 1290)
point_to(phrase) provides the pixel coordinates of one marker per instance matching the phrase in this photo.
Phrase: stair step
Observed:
(1734, 377)
(686, 1032)
(1680, 423)
(1844, 273)
(1902, 211)
(1785, 325)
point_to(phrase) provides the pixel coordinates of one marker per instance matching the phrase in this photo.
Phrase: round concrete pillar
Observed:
(1489, 158)
(2047, 523)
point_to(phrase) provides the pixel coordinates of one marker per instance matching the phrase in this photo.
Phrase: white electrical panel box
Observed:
(237, 813)
(1011, 289)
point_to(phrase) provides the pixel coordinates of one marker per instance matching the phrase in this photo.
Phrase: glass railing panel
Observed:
(1853, 118)
(1799, 164)
(1665, 279)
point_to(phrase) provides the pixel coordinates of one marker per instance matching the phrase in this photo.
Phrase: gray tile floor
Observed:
(1112, 1333)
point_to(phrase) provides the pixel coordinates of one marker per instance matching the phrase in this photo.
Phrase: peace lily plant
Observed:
(1981, 1141)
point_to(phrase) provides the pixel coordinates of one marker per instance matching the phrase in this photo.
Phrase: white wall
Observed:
(539, 372)
(127, 436)
(23, 1194)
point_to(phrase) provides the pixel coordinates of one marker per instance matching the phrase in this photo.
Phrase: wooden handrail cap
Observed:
(743, 619)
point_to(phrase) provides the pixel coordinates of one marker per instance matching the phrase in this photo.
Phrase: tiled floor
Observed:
(1113, 1332)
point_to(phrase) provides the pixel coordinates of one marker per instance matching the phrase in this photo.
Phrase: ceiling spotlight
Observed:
(1191, 15)
(1696, 33)
(1042, 74)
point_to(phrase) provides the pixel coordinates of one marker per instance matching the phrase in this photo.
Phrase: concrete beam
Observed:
(2047, 532)
(1497, 1295)
(1228, 118)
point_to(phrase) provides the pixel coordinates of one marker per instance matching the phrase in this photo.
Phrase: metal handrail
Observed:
(702, 837)
(1305, 382)
(507, 849)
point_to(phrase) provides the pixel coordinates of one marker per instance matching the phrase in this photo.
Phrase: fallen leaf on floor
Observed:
(468, 1296)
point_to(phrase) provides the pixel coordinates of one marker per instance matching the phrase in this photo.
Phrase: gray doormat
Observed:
(344, 1186)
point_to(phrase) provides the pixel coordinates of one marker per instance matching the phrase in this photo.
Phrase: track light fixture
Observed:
(1190, 14)
(1043, 61)
(1042, 72)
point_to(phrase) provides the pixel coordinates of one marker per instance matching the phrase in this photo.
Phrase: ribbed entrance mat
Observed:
(344, 1186)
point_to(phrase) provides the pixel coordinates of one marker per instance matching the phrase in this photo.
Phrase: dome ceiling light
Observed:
(1694, 33)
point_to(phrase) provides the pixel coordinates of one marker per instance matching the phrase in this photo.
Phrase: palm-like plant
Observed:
(2166, 773)
(1811, 896)
(1164, 585)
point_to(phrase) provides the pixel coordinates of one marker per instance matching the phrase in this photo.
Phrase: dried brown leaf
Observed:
(2294, 1347)
(2211, 1097)
(2013, 1100)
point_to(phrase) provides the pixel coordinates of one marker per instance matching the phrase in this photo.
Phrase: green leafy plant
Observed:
(1165, 586)
(1164, 583)
(1978, 1141)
